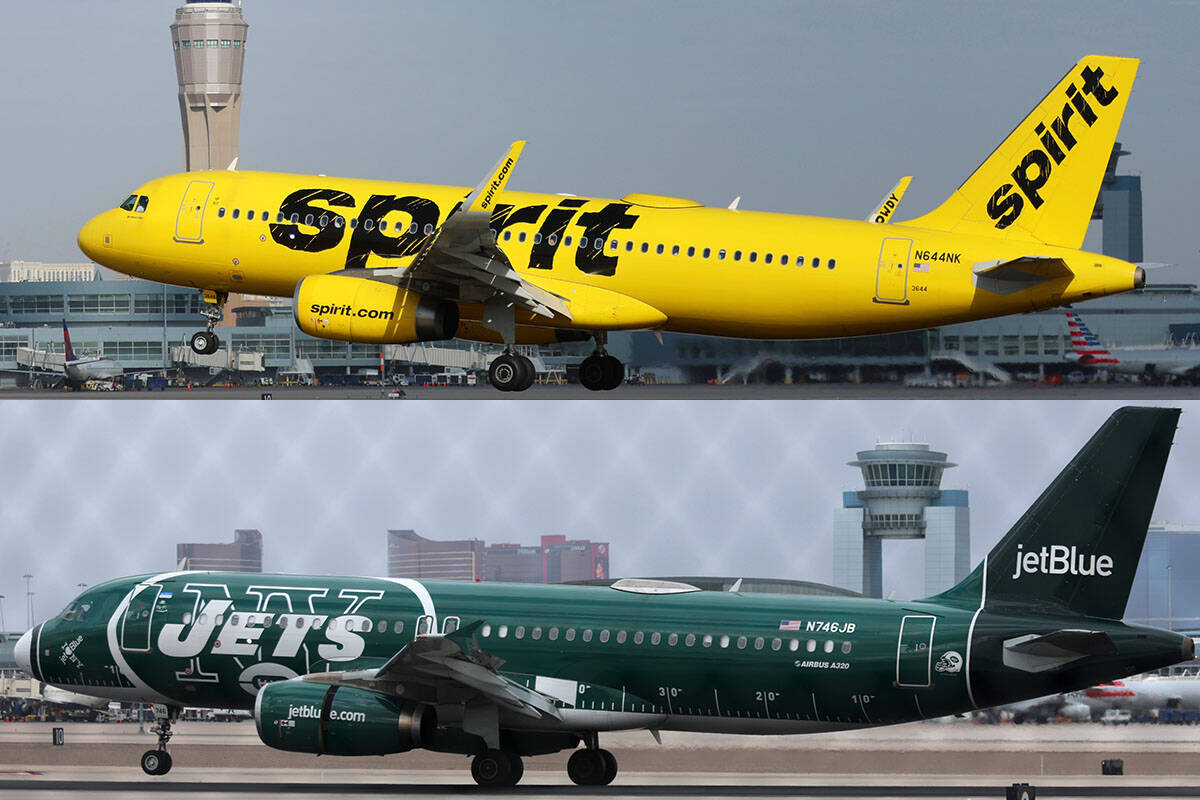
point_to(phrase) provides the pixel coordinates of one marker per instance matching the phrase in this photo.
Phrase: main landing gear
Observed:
(497, 768)
(158, 761)
(592, 766)
(205, 342)
(600, 371)
(511, 372)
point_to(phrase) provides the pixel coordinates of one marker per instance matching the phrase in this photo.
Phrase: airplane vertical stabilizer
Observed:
(1041, 183)
(1078, 545)
(68, 351)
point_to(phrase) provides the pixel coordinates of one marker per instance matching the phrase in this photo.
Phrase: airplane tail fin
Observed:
(1078, 545)
(1041, 183)
(68, 351)
(1087, 344)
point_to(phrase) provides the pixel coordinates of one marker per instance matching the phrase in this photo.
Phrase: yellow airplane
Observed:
(387, 262)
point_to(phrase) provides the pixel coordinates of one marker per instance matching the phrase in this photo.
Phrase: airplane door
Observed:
(891, 278)
(914, 650)
(135, 627)
(189, 225)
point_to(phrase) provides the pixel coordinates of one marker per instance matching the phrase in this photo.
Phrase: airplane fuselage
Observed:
(640, 262)
(699, 661)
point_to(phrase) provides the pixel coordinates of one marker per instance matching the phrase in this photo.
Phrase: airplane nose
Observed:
(24, 652)
(93, 238)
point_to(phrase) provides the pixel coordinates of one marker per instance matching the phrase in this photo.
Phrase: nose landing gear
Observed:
(158, 761)
(205, 342)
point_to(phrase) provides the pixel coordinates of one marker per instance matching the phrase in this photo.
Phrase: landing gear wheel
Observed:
(202, 342)
(214, 344)
(506, 373)
(614, 371)
(592, 373)
(492, 768)
(591, 767)
(528, 373)
(156, 762)
(517, 767)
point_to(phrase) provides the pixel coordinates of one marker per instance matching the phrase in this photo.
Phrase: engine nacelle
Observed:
(304, 717)
(362, 310)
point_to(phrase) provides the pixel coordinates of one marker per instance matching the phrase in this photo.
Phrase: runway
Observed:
(807, 391)
(939, 759)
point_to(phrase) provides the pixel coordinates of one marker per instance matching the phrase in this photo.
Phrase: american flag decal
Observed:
(789, 625)
(920, 266)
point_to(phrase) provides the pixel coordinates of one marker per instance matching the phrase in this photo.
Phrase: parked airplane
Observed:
(370, 666)
(77, 371)
(1139, 695)
(386, 262)
(1158, 360)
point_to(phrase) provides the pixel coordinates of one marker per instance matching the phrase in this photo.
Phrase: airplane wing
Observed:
(890, 202)
(438, 666)
(1018, 274)
(463, 253)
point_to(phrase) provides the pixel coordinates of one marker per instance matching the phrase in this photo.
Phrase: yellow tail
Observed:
(1042, 181)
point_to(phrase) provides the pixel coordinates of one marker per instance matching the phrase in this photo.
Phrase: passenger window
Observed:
(220, 213)
(645, 247)
(724, 641)
(828, 645)
(767, 258)
(655, 637)
(338, 222)
(144, 201)
(353, 223)
(620, 637)
(412, 228)
(612, 245)
(691, 252)
(673, 639)
(753, 256)
(690, 639)
(639, 637)
(759, 642)
(832, 263)
(799, 261)
(519, 633)
(793, 645)
(598, 244)
(776, 644)
(783, 260)
(537, 238)
(429, 229)
(129, 203)
(816, 261)
(553, 634)
(535, 634)
(502, 631)
(675, 250)
(250, 216)
(720, 255)
(425, 625)
(383, 224)
(553, 240)
(707, 252)
(507, 235)
(811, 646)
(603, 636)
(295, 219)
(308, 219)
(187, 618)
(737, 255)
(629, 246)
(450, 624)
(707, 640)
(587, 635)
(233, 619)
(582, 242)
(845, 647)
(323, 221)
(486, 630)
(521, 238)
(570, 634)
(741, 643)
(566, 241)
(235, 213)
(659, 250)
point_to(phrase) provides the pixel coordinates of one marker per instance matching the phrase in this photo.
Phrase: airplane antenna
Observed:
(233, 165)
(734, 205)
(737, 586)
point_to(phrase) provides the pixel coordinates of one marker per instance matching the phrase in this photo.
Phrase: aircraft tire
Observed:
(493, 768)
(592, 373)
(517, 766)
(156, 762)
(588, 768)
(201, 341)
(614, 372)
(505, 373)
(610, 766)
(214, 344)
(528, 373)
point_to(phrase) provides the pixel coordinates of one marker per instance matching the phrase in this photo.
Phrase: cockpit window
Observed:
(129, 203)
(75, 611)
(142, 202)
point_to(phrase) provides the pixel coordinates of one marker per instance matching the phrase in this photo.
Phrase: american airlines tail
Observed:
(1041, 183)
(1086, 344)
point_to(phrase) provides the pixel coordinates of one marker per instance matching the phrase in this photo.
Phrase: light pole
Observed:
(29, 598)
(1170, 604)
(3, 627)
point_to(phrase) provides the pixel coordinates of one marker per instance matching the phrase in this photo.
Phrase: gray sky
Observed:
(96, 490)
(798, 107)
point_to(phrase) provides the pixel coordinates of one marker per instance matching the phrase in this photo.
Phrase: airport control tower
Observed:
(209, 37)
(903, 499)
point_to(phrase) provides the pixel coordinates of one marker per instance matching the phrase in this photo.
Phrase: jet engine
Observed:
(353, 309)
(305, 717)
(1076, 712)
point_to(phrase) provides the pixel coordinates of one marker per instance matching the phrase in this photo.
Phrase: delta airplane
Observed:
(76, 370)
(1178, 362)
(387, 262)
(372, 666)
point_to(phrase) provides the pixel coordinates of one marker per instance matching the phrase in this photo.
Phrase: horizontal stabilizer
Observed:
(1018, 274)
(1036, 653)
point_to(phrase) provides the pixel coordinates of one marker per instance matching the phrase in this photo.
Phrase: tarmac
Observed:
(756, 391)
(952, 759)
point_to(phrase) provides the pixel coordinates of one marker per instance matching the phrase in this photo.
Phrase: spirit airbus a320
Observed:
(387, 262)
(371, 666)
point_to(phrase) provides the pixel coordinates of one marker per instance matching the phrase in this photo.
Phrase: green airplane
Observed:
(371, 666)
